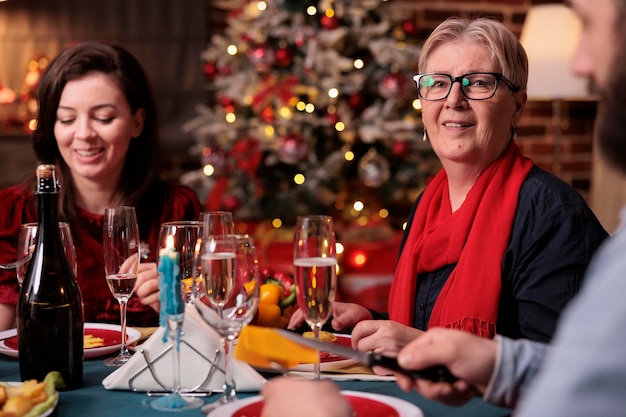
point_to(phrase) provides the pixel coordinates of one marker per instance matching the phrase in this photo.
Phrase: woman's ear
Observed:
(519, 99)
(138, 120)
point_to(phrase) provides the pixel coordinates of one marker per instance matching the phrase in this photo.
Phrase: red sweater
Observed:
(18, 206)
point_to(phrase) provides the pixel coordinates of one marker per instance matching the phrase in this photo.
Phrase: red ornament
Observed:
(393, 85)
(355, 101)
(292, 148)
(329, 22)
(332, 118)
(409, 27)
(247, 155)
(267, 115)
(400, 147)
(262, 57)
(284, 57)
(216, 157)
(209, 69)
(231, 203)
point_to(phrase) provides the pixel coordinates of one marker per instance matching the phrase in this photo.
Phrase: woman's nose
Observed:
(456, 99)
(84, 129)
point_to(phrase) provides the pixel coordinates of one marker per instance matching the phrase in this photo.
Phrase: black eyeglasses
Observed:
(474, 85)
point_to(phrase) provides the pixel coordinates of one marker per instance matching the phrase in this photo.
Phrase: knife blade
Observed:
(433, 373)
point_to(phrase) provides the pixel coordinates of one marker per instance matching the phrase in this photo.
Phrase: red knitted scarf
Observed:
(475, 237)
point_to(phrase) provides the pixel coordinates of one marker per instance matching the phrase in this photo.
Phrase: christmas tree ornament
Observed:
(262, 57)
(394, 85)
(209, 69)
(216, 157)
(329, 22)
(400, 148)
(292, 148)
(284, 57)
(373, 169)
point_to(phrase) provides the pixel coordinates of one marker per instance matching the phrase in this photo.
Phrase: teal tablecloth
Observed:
(94, 401)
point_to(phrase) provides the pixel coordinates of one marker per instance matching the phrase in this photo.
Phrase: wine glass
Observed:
(315, 261)
(217, 223)
(227, 296)
(121, 264)
(26, 244)
(177, 244)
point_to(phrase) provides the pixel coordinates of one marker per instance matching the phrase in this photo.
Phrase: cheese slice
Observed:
(264, 347)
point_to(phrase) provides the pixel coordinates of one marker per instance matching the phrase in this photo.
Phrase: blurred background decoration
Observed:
(312, 110)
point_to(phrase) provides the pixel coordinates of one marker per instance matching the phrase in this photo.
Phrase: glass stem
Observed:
(123, 348)
(230, 391)
(176, 355)
(317, 365)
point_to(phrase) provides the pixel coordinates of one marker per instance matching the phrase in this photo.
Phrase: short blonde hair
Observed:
(503, 46)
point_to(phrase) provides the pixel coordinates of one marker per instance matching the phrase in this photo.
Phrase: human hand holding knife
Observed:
(433, 373)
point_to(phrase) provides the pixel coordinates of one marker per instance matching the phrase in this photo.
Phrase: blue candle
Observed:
(170, 293)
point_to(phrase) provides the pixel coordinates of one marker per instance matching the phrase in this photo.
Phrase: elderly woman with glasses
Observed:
(494, 245)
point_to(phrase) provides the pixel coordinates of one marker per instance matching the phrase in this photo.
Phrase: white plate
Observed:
(111, 333)
(45, 413)
(331, 362)
(364, 404)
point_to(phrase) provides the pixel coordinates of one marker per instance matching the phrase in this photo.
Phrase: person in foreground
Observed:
(583, 372)
(97, 123)
(494, 244)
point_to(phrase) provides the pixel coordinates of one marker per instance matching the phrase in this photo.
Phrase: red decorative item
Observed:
(409, 27)
(329, 22)
(247, 155)
(332, 118)
(292, 148)
(216, 157)
(355, 101)
(267, 115)
(262, 57)
(231, 203)
(284, 57)
(393, 85)
(400, 147)
(209, 69)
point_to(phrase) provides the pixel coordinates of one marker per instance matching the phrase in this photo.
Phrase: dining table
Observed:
(93, 400)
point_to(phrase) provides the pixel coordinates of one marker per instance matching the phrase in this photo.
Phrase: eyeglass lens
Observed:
(474, 86)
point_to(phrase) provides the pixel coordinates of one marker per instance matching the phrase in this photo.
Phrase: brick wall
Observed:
(562, 146)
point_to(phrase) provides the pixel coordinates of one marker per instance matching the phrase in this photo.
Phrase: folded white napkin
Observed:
(198, 349)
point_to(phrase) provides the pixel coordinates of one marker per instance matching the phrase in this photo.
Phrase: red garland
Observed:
(274, 87)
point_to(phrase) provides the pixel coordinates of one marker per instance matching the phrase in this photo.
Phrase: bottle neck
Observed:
(48, 223)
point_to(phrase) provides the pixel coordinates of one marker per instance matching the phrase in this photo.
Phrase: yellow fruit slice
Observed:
(265, 348)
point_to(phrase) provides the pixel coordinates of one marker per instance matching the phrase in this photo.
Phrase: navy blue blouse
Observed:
(554, 236)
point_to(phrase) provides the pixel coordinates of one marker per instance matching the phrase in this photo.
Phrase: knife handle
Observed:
(437, 373)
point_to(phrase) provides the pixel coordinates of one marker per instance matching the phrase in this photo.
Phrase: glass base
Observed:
(176, 402)
(119, 360)
(206, 409)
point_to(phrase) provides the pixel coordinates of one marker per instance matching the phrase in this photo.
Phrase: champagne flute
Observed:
(121, 264)
(177, 244)
(26, 243)
(315, 262)
(228, 295)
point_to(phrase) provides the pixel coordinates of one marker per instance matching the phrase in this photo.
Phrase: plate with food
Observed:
(329, 361)
(100, 339)
(363, 404)
(30, 398)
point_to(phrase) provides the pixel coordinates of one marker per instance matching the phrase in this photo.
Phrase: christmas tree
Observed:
(312, 110)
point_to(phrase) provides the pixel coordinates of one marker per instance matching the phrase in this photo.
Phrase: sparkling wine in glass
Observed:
(177, 245)
(26, 243)
(121, 264)
(228, 295)
(315, 263)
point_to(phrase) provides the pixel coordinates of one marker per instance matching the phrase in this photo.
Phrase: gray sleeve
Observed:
(584, 373)
(517, 363)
